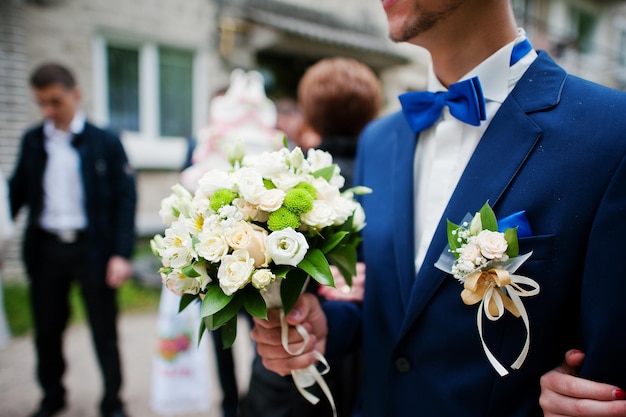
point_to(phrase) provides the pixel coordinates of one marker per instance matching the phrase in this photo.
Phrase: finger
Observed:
(555, 405)
(574, 358)
(572, 386)
(273, 336)
(284, 366)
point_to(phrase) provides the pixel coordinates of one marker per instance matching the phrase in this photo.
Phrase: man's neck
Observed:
(460, 46)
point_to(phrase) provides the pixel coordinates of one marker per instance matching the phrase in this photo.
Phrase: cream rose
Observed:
(492, 244)
(287, 247)
(261, 278)
(271, 200)
(235, 271)
(250, 237)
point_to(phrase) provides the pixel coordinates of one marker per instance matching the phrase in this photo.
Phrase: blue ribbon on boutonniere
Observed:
(518, 220)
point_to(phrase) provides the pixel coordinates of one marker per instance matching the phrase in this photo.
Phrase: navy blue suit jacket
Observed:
(109, 187)
(556, 149)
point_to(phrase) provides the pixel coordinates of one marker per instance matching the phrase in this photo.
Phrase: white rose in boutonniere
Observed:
(485, 260)
(287, 247)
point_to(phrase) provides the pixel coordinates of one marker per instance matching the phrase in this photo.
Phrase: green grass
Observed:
(132, 297)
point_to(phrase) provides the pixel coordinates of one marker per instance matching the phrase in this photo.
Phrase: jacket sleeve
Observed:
(603, 290)
(124, 200)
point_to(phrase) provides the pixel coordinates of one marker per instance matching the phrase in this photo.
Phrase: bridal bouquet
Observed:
(485, 259)
(251, 237)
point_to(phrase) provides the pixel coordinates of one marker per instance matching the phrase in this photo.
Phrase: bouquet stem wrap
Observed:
(309, 376)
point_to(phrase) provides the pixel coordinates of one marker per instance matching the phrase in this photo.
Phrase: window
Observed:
(154, 95)
(123, 94)
(175, 91)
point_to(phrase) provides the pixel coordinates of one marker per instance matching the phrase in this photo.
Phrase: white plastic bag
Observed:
(180, 373)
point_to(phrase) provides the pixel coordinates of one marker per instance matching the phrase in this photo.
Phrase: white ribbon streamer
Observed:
(514, 292)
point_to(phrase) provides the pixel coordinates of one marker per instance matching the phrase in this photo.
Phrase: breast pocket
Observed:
(541, 246)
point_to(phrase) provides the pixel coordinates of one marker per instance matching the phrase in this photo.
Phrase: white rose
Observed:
(235, 271)
(325, 191)
(321, 215)
(271, 200)
(250, 184)
(212, 181)
(287, 247)
(343, 209)
(262, 278)
(248, 211)
(492, 244)
(250, 237)
(268, 164)
(288, 180)
(318, 159)
(470, 253)
(212, 245)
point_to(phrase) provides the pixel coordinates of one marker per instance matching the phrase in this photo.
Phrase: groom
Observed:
(544, 142)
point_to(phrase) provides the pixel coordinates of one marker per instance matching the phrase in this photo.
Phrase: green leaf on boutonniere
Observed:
(253, 302)
(316, 265)
(488, 218)
(185, 300)
(326, 173)
(229, 332)
(453, 240)
(291, 288)
(510, 235)
(214, 300)
(332, 241)
(344, 258)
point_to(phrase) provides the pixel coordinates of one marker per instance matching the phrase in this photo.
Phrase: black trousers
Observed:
(59, 265)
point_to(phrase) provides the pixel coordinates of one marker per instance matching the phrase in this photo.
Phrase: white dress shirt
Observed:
(64, 199)
(444, 149)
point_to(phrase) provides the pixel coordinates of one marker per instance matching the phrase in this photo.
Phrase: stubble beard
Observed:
(423, 21)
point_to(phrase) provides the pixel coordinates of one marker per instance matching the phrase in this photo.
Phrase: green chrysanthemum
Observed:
(221, 198)
(298, 201)
(282, 219)
(308, 188)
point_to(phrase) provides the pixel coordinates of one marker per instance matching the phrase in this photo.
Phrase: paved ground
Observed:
(19, 394)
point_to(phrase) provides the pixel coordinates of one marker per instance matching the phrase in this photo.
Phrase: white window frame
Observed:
(146, 149)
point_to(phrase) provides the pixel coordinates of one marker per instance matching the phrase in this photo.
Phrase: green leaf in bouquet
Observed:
(190, 272)
(253, 302)
(281, 271)
(316, 265)
(344, 258)
(488, 218)
(229, 332)
(332, 241)
(231, 309)
(326, 172)
(510, 235)
(202, 328)
(453, 239)
(185, 300)
(291, 288)
(214, 300)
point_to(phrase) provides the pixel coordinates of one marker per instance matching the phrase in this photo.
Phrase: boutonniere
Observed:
(484, 258)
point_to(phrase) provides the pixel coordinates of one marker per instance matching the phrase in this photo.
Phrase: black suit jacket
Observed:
(109, 187)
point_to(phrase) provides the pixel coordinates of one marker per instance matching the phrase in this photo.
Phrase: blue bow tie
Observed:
(465, 100)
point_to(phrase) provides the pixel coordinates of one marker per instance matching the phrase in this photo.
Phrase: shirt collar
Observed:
(77, 125)
(493, 79)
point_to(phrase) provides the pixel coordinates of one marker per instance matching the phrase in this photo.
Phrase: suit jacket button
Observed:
(402, 364)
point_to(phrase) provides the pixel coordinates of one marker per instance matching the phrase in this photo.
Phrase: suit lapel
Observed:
(403, 208)
(500, 154)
